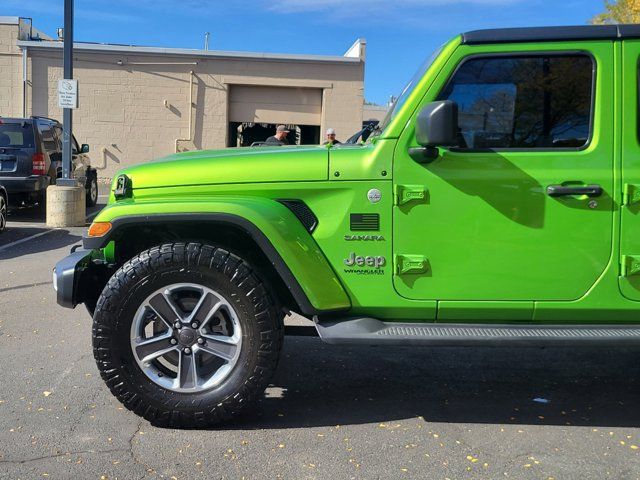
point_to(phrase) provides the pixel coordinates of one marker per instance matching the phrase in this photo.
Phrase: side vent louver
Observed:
(302, 212)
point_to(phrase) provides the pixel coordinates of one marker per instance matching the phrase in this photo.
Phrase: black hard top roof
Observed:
(551, 34)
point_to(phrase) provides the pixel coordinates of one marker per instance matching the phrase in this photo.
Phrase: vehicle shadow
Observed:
(323, 385)
(29, 214)
(48, 241)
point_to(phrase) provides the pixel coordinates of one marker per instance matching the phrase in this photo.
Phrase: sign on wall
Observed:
(68, 93)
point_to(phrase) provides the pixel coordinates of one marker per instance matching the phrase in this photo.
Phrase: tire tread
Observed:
(156, 260)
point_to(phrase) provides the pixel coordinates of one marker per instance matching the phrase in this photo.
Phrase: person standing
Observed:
(331, 138)
(280, 138)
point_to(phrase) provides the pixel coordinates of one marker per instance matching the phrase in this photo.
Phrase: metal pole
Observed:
(206, 41)
(24, 82)
(67, 112)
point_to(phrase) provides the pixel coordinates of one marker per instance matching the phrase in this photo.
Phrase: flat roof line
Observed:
(125, 49)
(4, 20)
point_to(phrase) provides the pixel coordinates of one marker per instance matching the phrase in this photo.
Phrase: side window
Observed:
(542, 101)
(58, 132)
(48, 138)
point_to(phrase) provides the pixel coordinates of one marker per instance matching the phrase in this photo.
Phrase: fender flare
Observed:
(300, 292)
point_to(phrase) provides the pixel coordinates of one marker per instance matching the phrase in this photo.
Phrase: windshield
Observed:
(406, 91)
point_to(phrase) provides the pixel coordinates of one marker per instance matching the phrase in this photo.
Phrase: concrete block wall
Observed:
(121, 109)
(10, 70)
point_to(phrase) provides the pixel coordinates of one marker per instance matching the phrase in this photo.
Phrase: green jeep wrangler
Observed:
(497, 204)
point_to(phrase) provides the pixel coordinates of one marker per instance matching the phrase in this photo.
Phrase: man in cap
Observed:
(331, 137)
(280, 138)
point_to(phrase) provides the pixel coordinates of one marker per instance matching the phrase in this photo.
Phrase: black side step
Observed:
(370, 331)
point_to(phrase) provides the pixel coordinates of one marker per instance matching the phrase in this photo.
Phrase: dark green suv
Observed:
(31, 160)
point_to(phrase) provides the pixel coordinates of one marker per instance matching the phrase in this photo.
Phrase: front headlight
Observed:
(55, 280)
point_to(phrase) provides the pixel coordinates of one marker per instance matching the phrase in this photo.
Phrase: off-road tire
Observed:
(216, 268)
(3, 212)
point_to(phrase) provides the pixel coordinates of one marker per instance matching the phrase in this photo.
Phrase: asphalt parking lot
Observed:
(331, 412)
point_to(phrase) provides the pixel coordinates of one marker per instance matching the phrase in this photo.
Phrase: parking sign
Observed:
(68, 93)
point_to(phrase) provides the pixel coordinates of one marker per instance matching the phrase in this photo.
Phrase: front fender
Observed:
(275, 229)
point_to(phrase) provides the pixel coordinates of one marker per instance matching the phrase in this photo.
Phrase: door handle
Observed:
(563, 191)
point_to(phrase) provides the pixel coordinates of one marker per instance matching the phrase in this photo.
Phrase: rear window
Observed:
(16, 135)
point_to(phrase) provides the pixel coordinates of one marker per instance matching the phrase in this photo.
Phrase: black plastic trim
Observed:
(67, 272)
(371, 331)
(569, 190)
(551, 34)
(123, 187)
(254, 232)
(302, 212)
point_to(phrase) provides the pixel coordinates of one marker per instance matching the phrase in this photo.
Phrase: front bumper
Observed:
(66, 277)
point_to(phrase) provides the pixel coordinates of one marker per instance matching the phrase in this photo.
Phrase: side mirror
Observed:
(84, 148)
(436, 126)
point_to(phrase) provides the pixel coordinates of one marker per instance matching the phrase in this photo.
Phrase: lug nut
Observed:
(201, 341)
(177, 325)
(194, 325)
(173, 341)
(186, 351)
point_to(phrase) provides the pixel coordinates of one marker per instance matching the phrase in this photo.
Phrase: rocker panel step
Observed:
(370, 331)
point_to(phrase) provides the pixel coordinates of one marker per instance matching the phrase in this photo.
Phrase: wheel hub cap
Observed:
(187, 337)
(177, 356)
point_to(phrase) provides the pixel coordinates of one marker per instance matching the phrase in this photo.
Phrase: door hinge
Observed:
(410, 264)
(630, 194)
(630, 265)
(409, 193)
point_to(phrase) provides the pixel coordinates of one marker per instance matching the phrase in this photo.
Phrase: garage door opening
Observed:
(255, 111)
(246, 134)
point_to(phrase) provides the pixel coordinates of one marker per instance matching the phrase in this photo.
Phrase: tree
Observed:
(619, 11)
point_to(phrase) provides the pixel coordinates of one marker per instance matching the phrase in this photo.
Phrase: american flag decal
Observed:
(365, 222)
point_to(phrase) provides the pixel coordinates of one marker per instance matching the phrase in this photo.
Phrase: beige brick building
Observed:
(140, 103)
(374, 112)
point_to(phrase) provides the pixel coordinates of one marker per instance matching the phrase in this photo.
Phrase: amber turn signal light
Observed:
(98, 229)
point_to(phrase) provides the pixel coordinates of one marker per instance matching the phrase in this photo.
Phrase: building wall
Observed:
(133, 107)
(10, 70)
(374, 112)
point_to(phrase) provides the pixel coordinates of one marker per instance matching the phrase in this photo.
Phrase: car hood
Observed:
(232, 165)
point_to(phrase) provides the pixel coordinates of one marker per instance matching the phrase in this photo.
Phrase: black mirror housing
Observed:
(84, 148)
(437, 124)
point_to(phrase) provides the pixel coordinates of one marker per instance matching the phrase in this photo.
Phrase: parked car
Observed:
(31, 160)
(4, 200)
(497, 204)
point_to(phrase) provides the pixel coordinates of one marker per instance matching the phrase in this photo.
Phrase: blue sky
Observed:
(399, 33)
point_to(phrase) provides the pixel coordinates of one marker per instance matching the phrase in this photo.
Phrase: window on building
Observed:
(523, 102)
